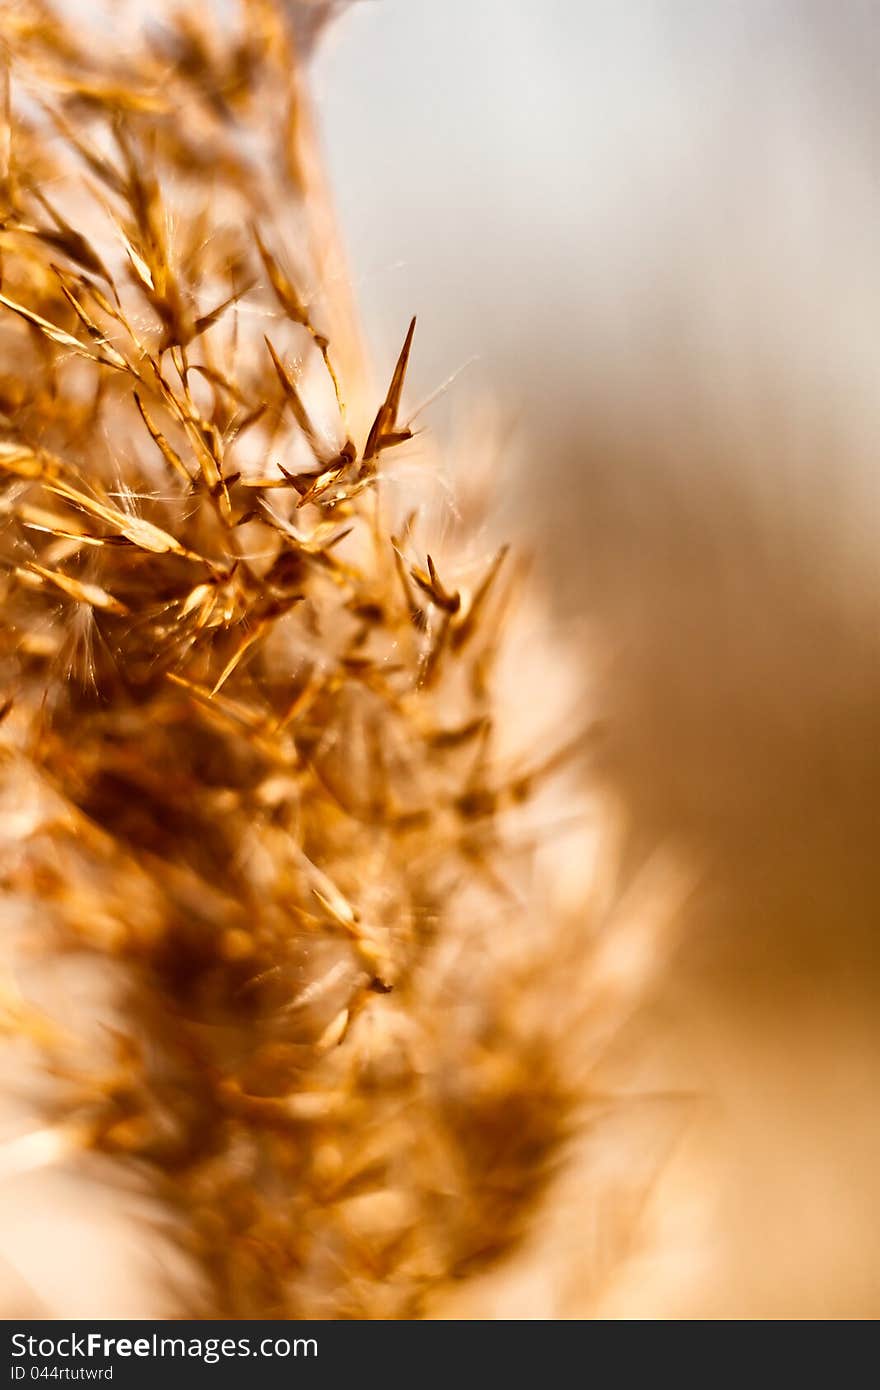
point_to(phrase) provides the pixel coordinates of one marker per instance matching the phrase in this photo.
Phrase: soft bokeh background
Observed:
(654, 225)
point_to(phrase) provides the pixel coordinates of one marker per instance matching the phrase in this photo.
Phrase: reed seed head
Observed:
(261, 760)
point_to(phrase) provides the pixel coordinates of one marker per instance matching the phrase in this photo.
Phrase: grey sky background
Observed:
(538, 179)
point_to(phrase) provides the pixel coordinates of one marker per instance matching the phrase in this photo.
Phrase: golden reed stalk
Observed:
(281, 942)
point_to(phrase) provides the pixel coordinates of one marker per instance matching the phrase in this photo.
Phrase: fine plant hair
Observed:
(267, 782)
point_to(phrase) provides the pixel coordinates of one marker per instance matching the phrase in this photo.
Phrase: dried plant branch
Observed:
(265, 736)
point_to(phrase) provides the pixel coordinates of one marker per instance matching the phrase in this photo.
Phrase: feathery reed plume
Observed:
(263, 763)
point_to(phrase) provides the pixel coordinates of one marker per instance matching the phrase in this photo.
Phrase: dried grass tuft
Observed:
(253, 683)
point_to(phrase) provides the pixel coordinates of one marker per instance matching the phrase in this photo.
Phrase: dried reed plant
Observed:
(277, 733)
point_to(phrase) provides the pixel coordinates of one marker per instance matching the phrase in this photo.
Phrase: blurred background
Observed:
(647, 232)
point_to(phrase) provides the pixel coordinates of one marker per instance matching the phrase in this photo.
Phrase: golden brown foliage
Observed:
(260, 717)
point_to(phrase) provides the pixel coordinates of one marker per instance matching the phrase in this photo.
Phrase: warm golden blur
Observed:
(653, 228)
(657, 224)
